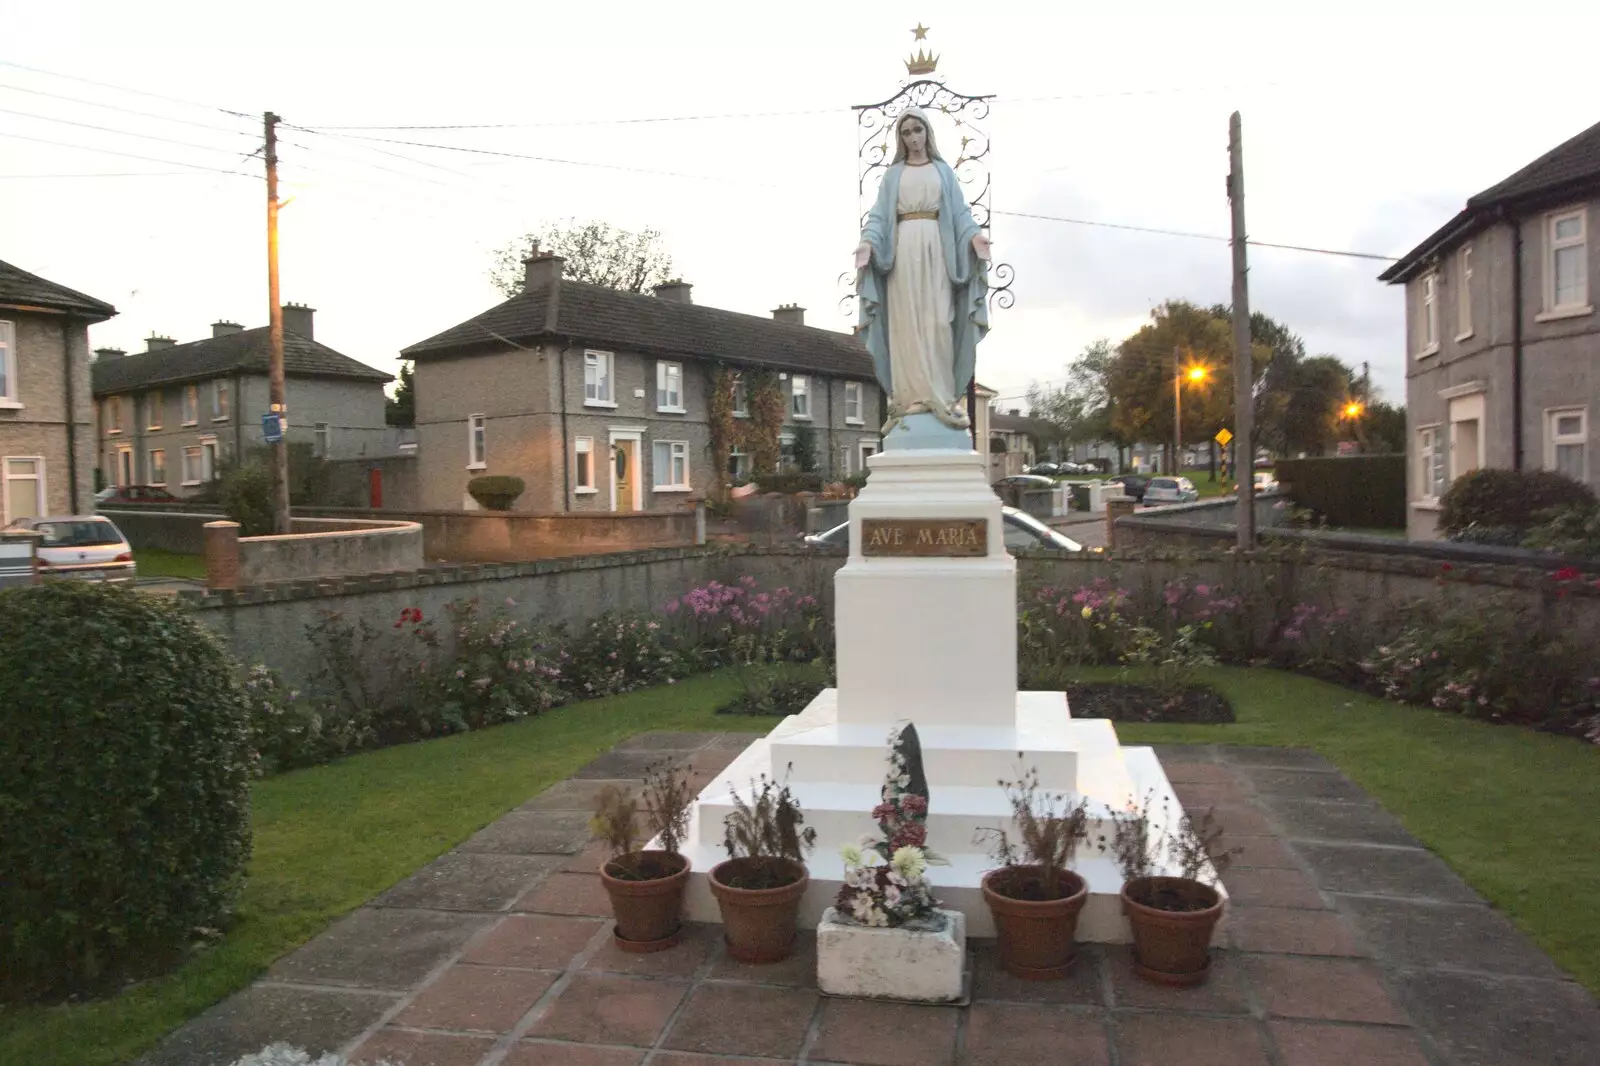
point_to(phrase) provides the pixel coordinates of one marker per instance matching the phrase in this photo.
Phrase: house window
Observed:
(191, 465)
(800, 396)
(868, 449)
(786, 459)
(1568, 287)
(114, 415)
(477, 442)
(1430, 455)
(156, 468)
(1567, 441)
(24, 488)
(208, 458)
(852, 402)
(671, 465)
(191, 404)
(321, 433)
(219, 400)
(152, 409)
(1464, 292)
(741, 398)
(597, 378)
(1430, 314)
(8, 363)
(583, 460)
(738, 464)
(669, 387)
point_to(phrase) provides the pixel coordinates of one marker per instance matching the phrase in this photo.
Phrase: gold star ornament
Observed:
(920, 33)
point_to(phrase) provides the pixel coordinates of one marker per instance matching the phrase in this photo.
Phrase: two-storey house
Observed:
(600, 400)
(46, 416)
(1502, 339)
(168, 415)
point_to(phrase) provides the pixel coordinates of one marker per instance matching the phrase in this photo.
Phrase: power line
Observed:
(129, 110)
(1195, 236)
(125, 89)
(125, 155)
(109, 174)
(120, 133)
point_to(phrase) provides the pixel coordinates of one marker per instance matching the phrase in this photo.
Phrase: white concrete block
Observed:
(902, 964)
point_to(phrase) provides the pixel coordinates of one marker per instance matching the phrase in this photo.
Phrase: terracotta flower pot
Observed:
(1037, 938)
(649, 913)
(760, 924)
(1171, 928)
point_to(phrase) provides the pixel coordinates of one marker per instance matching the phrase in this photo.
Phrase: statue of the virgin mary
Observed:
(922, 287)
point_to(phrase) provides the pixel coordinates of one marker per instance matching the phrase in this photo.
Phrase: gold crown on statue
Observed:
(922, 62)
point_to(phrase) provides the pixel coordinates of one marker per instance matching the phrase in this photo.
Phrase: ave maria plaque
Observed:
(924, 536)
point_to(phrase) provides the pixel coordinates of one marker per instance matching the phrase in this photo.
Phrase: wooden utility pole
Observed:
(1243, 363)
(280, 447)
(1177, 410)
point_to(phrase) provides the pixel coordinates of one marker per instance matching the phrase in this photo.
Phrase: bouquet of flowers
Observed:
(885, 876)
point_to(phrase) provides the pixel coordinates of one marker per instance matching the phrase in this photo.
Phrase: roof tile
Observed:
(17, 286)
(243, 352)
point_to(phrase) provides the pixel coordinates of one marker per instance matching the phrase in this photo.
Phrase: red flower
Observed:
(1566, 573)
(1445, 568)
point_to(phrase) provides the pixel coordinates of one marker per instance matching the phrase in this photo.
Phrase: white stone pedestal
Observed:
(904, 964)
(932, 639)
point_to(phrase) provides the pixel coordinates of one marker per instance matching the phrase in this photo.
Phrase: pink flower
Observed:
(1202, 590)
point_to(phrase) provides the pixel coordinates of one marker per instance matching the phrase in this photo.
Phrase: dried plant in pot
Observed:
(646, 886)
(1033, 894)
(1172, 917)
(758, 888)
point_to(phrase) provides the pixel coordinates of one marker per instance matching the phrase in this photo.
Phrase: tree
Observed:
(401, 408)
(595, 253)
(1301, 407)
(1078, 411)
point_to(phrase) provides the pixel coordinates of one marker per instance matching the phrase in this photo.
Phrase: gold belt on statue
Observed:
(908, 216)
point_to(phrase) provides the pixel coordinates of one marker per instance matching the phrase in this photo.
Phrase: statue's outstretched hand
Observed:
(863, 255)
(980, 246)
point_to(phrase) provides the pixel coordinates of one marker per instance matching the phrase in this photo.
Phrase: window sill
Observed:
(477, 466)
(671, 411)
(599, 403)
(113, 432)
(152, 429)
(219, 418)
(191, 484)
(1564, 312)
(1463, 336)
(11, 405)
(581, 491)
(855, 422)
(802, 418)
(671, 488)
(1432, 349)
(1426, 505)
(741, 414)
(186, 425)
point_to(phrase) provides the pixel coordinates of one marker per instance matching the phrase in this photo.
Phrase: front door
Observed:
(626, 473)
(124, 466)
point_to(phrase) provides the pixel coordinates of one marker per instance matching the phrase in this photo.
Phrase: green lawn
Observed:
(1512, 811)
(153, 562)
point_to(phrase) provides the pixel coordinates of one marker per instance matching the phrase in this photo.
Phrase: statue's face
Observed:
(914, 135)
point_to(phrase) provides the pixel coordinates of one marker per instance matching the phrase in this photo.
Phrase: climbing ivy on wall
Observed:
(767, 408)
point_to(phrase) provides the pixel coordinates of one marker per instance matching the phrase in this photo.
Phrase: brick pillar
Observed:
(1116, 507)
(222, 555)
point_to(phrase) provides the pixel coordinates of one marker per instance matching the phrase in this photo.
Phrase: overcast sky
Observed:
(1365, 125)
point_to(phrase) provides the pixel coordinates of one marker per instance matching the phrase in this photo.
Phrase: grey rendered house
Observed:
(1502, 339)
(169, 414)
(46, 416)
(600, 400)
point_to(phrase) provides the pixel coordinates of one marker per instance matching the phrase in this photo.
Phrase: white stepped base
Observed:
(1106, 773)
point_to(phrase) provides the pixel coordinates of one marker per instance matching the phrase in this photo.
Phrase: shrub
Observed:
(1361, 491)
(125, 764)
(245, 493)
(719, 625)
(286, 732)
(494, 670)
(618, 653)
(1571, 530)
(788, 483)
(1513, 499)
(495, 492)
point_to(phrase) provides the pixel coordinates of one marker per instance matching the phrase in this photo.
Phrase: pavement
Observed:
(1347, 944)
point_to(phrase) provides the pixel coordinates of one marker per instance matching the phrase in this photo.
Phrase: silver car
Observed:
(85, 547)
(1022, 530)
(1170, 490)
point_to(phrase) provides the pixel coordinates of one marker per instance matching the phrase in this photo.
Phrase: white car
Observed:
(1265, 482)
(85, 547)
(1170, 490)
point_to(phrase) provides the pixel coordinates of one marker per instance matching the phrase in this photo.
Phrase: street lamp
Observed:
(1196, 374)
(1353, 409)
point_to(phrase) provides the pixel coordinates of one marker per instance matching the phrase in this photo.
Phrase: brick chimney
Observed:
(1015, 412)
(102, 354)
(297, 320)
(154, 343)
(676, 290)
(222, 329)
(541, 269)
(793, 314)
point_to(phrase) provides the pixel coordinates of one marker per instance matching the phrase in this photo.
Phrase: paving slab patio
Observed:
(1348, 943)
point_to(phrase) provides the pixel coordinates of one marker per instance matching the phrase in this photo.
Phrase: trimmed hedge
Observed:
(125, 762)
(788, 483)
(1508, 502)
(496, 492)
(1351, 491)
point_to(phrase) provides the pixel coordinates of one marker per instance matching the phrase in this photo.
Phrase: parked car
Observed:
(1046, 469)
(1265, 482)
(1022, 530)
(1132, 484)
(119, 495)
(1170, 490)
(87, 547)
(1025, 481)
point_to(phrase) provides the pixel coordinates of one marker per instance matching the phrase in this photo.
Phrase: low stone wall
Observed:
(323, 547)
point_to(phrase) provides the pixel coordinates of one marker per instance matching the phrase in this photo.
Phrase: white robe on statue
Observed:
(919, 302)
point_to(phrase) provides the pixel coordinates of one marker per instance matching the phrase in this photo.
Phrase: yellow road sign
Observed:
(1223, 437)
